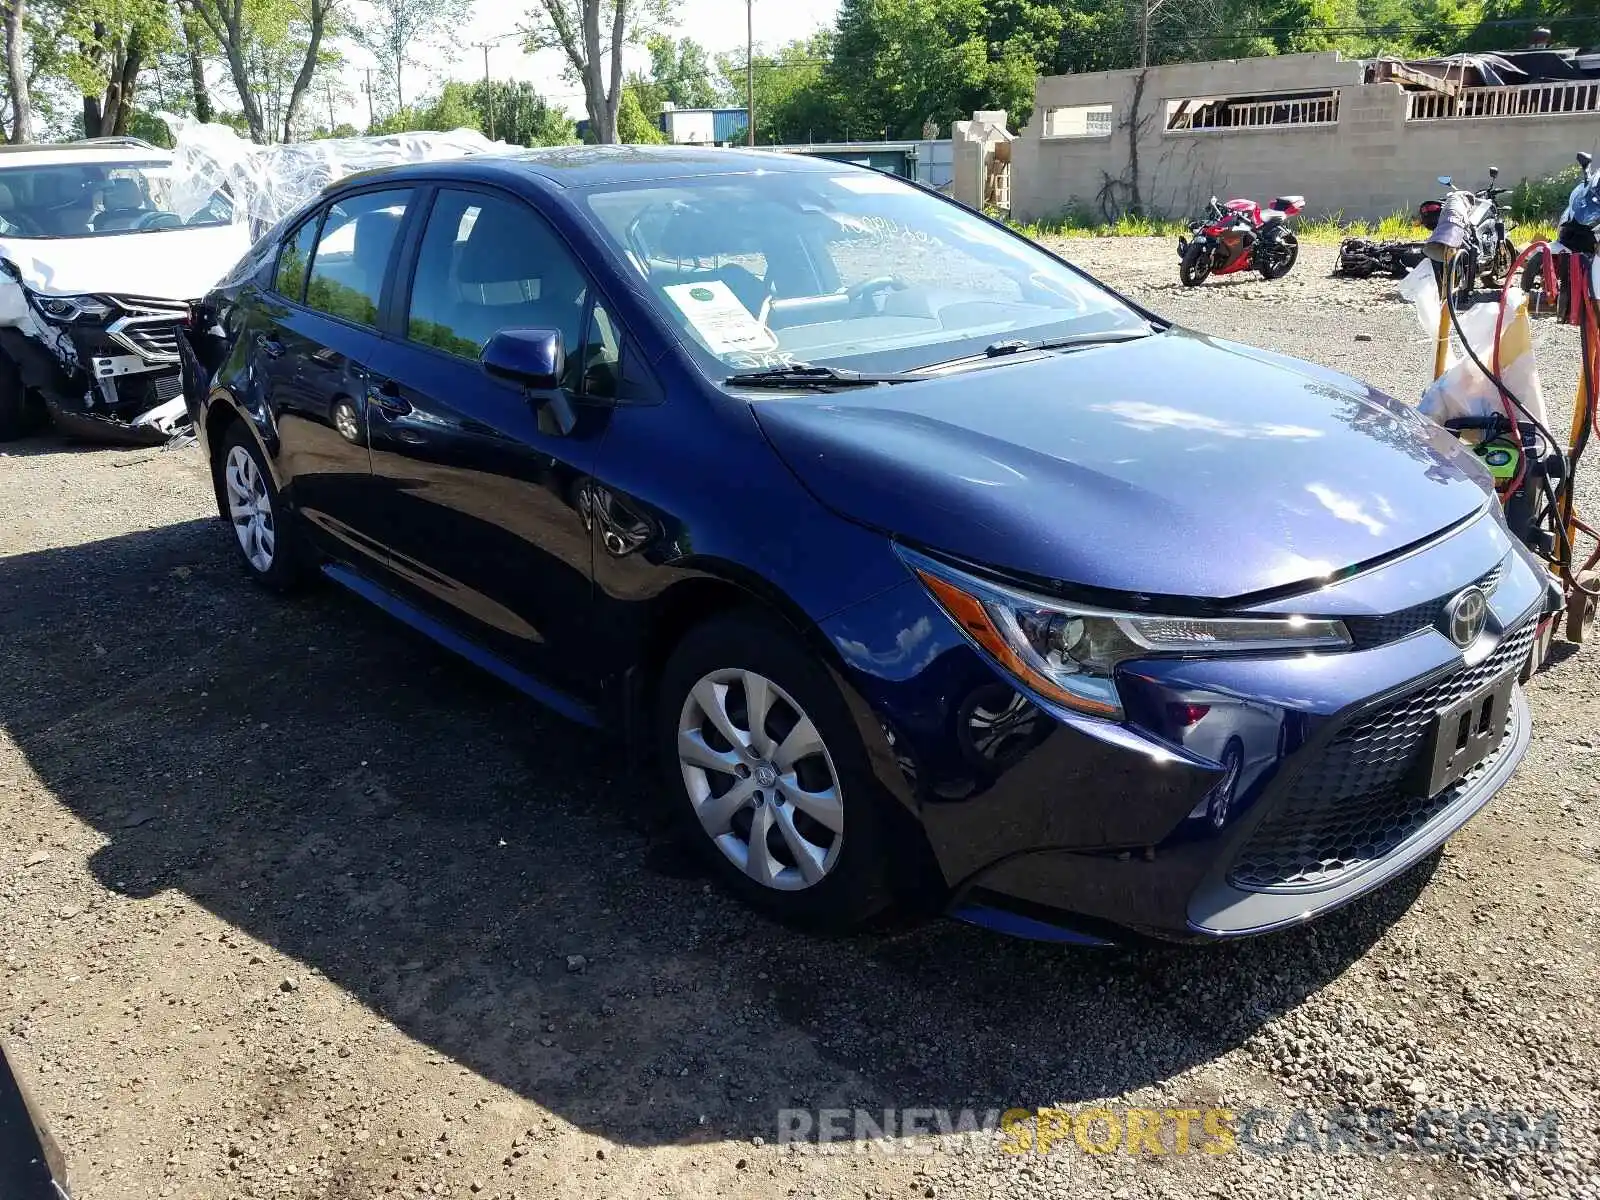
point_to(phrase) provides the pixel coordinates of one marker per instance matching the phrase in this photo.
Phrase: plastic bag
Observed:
(266, 183)
(1465, 391)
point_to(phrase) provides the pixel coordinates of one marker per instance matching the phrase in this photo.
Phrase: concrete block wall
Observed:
(1368, 164)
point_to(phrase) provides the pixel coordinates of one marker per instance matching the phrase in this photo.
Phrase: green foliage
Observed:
(681, 71)
(514, 112)
(633, 127)
(1543, 199)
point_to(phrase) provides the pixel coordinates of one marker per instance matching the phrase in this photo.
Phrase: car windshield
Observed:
(848, 269)
(93, 199)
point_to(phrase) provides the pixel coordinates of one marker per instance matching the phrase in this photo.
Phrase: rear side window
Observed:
(293, 260)
(489, 263)
(352, 257)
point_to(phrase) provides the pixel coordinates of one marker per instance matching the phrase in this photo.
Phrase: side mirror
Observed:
(1445, 179)
(1494, 173)
(533, 358)
(1584, 159)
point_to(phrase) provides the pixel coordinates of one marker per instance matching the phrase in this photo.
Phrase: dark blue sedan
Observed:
(925, 567)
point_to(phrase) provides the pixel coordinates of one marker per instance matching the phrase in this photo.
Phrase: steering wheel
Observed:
(159, 220)
(857, 293)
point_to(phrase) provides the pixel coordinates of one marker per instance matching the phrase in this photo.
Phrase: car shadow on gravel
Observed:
(490, 880)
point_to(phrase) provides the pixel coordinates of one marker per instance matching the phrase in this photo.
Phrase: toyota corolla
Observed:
(921, 564)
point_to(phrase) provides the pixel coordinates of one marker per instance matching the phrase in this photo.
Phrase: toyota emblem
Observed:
(1464, 616)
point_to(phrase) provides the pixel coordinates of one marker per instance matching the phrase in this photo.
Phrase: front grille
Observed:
(1353, 805)
(1367, 632)
(159, 343)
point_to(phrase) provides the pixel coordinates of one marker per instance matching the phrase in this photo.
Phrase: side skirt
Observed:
(429, 627)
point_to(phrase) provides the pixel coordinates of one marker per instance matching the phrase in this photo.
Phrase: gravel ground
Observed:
(298, 906)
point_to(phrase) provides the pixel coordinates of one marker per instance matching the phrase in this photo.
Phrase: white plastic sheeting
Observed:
(266, 183)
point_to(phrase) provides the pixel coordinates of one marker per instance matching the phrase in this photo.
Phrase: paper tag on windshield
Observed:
(719, 318)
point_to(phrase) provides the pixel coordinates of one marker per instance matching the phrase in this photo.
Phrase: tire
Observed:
(1532, 282)
(20, 413)
(265, 537)
(1281, 259)
(809, 873)
(1196, 265)
(1504, 256)
(1463, 274)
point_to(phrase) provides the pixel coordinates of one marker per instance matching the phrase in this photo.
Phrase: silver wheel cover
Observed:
(760, 779)
(250, 508)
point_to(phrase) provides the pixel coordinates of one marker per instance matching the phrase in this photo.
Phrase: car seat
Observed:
(511, 273)
(369, 254)
(124, 205)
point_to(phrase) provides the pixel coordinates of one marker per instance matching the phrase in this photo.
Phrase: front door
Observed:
(479, 489)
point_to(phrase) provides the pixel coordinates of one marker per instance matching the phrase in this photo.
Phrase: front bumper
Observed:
(1074, 829)
(114, 380)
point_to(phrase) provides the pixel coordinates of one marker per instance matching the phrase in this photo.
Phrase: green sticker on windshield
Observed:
(701, 294)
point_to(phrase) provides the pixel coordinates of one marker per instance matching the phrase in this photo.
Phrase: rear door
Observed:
(324, 347)
(480, 490)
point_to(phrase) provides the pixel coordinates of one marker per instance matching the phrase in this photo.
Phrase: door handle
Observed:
(269, 345)
(387, 399)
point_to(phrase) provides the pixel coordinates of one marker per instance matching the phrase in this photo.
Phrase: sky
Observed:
(718, 25)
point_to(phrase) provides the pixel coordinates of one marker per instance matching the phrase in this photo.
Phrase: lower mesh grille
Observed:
(1352, 806)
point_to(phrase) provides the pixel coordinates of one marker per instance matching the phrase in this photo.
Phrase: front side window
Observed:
(352, 256)
(489, 263)
(850, 269)
(77, 199)
(293, 260)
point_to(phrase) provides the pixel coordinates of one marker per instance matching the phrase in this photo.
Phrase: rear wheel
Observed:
(1274, 259)
(1196, 264)
(768, 775)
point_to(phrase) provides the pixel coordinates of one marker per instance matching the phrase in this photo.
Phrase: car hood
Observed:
(168, 264)
(1173, 465)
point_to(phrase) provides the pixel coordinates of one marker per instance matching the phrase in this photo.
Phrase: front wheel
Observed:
(768, 776)
(1276, 258)
(1504, 256)
(20, 413)
(1196, 264)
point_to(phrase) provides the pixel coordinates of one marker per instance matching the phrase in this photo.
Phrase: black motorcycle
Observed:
(1486, 252)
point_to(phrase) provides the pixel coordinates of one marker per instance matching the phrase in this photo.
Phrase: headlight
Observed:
(1068, 653)
(70, 308)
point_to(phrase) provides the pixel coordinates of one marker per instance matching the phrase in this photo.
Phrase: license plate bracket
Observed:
(1466, 733)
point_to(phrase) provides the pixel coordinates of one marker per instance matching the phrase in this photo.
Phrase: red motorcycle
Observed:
(1239, 235)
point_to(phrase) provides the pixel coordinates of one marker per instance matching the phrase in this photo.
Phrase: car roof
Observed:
(586, 166)
(95, 150)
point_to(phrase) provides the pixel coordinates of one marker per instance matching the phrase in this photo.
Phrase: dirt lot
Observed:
(297, 906)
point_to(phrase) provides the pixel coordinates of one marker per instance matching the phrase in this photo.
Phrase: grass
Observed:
(1328, 230)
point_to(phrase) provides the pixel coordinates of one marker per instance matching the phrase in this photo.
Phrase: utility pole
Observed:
(750, 72)
(371, 116)
(488, 92)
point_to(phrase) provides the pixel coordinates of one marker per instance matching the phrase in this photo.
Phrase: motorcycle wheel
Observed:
(1196, 265)
(1532, 282)
(1504, 256)
(1463, 274)
(1275, 260)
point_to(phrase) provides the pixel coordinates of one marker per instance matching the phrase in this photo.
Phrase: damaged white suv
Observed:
(98, 273)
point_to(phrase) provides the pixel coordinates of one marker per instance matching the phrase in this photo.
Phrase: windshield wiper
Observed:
(802, 375)
(1070, 341)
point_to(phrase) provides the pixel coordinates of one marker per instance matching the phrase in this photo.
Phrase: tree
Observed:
(269, 45)
(196, 45)
(634, 126)
(398, 26)
(16, 75)
(514, 112)
(793, 99)
(591, 35)
(104, 45)
(682, 72)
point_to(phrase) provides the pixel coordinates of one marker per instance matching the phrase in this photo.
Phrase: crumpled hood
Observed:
(1174, 465)
(170, 264)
